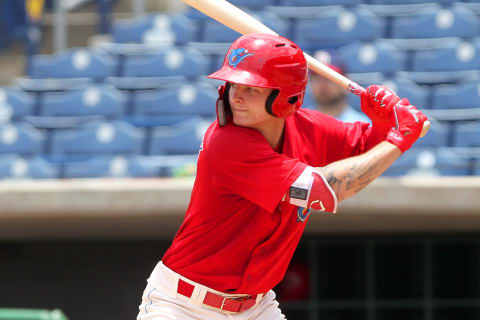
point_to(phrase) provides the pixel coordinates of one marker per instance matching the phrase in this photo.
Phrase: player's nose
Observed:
(237, 93)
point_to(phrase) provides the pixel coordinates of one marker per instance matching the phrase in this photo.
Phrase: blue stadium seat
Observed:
(188, 99)
(456, 96)
(144, 83)
(102, 100)
(314, 3)
(173, 62)
(405, 2)
(16, 167)
(116, 166)
(476, 169)
(372, 57)
(176, 165)
(455, 56)
(74, 63)
(430, 162)
(159, 28)
(467, 135)
(437, 136)
(217, 32)
(47, 85)
(253, 4)
(117, 137)
(455, 21)
(337, 27)
(21, 139)
(183, 138)
(15, 104)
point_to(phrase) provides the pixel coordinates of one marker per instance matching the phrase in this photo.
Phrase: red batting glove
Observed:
(377, 103)
(410, 124)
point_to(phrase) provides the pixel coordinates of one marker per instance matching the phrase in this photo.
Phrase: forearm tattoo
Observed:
(347, 177)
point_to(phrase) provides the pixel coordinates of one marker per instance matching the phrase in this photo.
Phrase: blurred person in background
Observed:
(330, 98)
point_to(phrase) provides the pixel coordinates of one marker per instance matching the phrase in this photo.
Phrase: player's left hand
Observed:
(377, 103)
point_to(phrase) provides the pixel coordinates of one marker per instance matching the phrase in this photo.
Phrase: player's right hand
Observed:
(410, 124)
(377, 103)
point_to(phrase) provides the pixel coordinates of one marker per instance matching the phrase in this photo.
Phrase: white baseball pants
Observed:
(160, 301)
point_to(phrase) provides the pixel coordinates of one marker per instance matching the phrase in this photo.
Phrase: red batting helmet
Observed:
(268, 61)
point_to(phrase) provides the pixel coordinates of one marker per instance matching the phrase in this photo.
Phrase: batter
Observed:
(263, 167)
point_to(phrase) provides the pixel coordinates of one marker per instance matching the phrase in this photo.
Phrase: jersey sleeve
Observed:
(241, 162)
(344, 139)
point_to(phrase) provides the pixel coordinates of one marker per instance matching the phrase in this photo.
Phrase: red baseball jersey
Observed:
(238, 236)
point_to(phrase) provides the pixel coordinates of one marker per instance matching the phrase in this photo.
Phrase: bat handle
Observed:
(357, 89)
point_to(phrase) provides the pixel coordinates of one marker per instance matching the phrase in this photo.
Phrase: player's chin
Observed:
(241, 120)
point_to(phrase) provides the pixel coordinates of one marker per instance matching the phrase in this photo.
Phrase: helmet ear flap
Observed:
(269, 103)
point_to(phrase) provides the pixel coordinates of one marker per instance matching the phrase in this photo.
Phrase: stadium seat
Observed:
(187, 99)
(46, 85)
(406, 2)
(173, 62)
(253, 4)
(476, 170)
(454, 21)
(74, 63)
(176, 165)
(455, 56)
(430, 162)
(467, 135)
(21, 139)
(16, 167)
(437, 136)
(214, 31)
(144, 83)
(15, 104)
(314, 3)
(372, 57)
(102, 100)
(337, 27)
(183, 138)
(433, 78)
(174, 29)
(117, 137)
(456, 96)
(407, 8)
(116, 166)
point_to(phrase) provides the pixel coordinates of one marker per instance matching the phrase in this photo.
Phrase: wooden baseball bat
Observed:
(240, 21)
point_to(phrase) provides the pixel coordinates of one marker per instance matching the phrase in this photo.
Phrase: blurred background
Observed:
(103, 105)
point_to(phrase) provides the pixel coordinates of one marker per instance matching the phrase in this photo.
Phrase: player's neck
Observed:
(273, 131)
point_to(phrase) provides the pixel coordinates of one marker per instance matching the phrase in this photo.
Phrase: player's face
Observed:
(248, 105)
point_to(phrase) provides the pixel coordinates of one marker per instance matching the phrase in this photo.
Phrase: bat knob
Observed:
(426, 127)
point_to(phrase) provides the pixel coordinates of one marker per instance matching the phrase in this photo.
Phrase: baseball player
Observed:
(263, 167)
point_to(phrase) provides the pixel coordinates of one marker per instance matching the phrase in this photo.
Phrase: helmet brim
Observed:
(241, 77)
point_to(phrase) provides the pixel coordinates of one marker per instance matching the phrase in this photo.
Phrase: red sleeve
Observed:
(242, 162)
(343, 139)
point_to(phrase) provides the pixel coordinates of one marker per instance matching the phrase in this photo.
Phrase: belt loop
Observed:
(199, 294)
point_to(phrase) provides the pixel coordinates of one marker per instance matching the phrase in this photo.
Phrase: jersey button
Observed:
(249, 278)
(262, 250)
